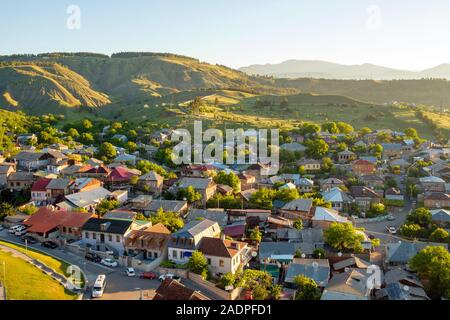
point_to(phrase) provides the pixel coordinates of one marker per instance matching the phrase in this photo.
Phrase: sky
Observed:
(403, 34)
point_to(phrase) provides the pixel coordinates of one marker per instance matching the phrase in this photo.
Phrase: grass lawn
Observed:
(26, 282)
(57, 265)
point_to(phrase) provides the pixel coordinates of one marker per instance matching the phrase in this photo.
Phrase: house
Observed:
(399, 253)
(400, 163)
(340, 200)
(174, 290)
(432, 184)
(120, 137)
(331, 183)
(39, 190)
(176, 206)
(223, 256)
(400, 284)
(293, 147)
(121, 176)
(272, 255)
(310, 165)
(324, 217)
(30, 160)
(205, 186)
(300, 208)
(346, 156)
(150, 243)
(363, 167)
(392, 150)
(440, 216)
(151, 181)
(351, 262)
(217, 215)
(248, 181)
(125, 158)
(20, 180)
(6, 169)
(50, 222)
(100, 172)
(305, 185)
(365, 197)
(120, 214)
(253, 217)
(316, 269)
(87, 200)
(84, 184)
(350, 285)
(224, 189)
(236, 230)
(372, 181)
(185, 241)
(394, 194)
(107, 234)
(436, 200)
(58, 188)
(26, 139)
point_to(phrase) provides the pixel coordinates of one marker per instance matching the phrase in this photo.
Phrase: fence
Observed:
(141, 265)
(182, 273)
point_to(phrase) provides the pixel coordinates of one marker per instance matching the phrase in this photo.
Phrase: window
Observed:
(117, 238)
(155, 255)
(110, 238)
(175, 254)
(64, 229)
(221, 263)
(86, 235)
(94, 236)
(209, 261)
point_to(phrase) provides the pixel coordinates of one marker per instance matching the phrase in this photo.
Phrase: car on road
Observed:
(13, 229)
(29, 239)
(392, 230)
(130, 272)
(165, 276)
(99, 286)
(391, 218)
(49, 245)
(92, 257)
(21, 231)
(149, 276)
(109, 263)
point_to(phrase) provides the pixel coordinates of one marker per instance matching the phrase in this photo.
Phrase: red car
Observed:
(149, 276)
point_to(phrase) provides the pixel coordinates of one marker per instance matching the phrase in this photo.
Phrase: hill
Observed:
(328, 70)
(38, 86)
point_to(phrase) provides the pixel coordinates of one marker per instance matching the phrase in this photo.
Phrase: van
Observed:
(99, 286)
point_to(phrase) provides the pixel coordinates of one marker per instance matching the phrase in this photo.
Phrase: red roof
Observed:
(362, 162)
(120, 174)
(47, 219)
(94, 170)
(40, 185)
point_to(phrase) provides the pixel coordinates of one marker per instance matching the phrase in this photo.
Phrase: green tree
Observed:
(439, 235)
(433, 264)
(411, 230)
(190, 194)
(170, 220)
(87, 124)
(197, 263)
(106, 205)
(263, 198)
(256, 235)
(307, 289)
(298, 224)
(319, 253)
(376, 150)
(344, 237)
(345, 128)
(230, 179)
(316, 148)
(73, 133)
(107, 151)
(331, 127)
(420, 216)
(6, 209)
(365, 131)
(228, 279)
(260, 292)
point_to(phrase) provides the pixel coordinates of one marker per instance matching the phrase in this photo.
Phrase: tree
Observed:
(107, 151)
(146, 166)
(106, 205)
(365, 131)
(307, 288)
(263, 198)
(298, 254)
(6, 209)
(197, 263)
(344, 237)
(230, 179)
(73, 133)
(256, 235)
(131, 146)
(411, 133)
(316, 148)
(87, 138)
(190, 194)
(376, 150)
(29, 209)
(411, 230)
(433, 263)
(169, 219)
(331, 127)
(420, 216)
(87, 124)
(228, 279)
(260, 292)
(298, 224)
(286, 195)
(345, 128)
(439, 235)
(319, 253)
(376, 210)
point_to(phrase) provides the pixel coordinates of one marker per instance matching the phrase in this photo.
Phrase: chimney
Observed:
(105, 226)
(222, 236)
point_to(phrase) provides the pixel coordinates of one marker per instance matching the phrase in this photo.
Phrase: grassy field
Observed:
(26, 282)
(57, 265)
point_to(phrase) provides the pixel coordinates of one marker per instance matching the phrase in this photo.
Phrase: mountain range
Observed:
(328, 70)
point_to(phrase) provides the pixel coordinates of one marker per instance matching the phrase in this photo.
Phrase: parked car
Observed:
(21, 231)
(109, 263)
(149, 275)
(92, 257)
(49, 244)
(165, 276)
(29, 239)
(391, 218)
(392, 230)
(130, 272)
(14, 228)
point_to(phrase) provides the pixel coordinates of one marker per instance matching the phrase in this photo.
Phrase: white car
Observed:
(130, 272)
(109, 263)
(392, 230)
(165, 276)
(14, 228)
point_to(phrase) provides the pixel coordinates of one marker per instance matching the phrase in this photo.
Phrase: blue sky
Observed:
(410, 34)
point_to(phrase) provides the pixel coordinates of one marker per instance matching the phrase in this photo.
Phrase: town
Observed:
(350, 215)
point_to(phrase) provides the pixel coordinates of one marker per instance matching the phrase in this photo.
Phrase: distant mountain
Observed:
(327, 70)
